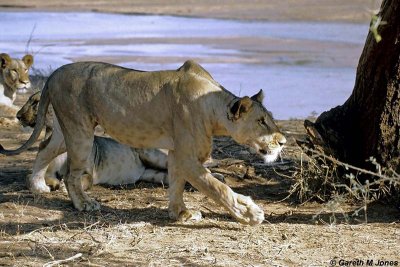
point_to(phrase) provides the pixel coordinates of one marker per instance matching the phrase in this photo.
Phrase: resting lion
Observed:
(114, 164)
(14, 75)
(179, 110)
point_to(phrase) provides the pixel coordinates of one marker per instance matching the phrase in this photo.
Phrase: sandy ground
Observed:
(283, 10)
(133, 228)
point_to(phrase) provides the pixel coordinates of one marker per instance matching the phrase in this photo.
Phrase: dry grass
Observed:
(323, 178)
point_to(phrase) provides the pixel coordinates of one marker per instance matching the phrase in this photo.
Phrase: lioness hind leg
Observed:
(87, 181)
(79, 198)
(76, 167)
(79, 142)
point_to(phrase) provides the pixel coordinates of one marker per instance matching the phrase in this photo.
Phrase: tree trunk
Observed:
(368, 123)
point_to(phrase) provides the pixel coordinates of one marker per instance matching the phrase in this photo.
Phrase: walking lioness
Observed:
(178, 110)
(109, 163)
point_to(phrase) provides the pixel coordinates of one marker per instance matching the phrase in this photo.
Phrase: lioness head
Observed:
(27, 114)
(253, 125)
(15, 73)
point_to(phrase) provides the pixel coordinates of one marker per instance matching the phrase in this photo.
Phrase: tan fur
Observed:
(176, 110)
(14, 75)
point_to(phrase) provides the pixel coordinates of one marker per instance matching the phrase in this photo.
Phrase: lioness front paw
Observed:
(37, 185)
(87, 205)
(250, 213)
(190, 216)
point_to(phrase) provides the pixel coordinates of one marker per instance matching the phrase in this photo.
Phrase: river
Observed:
(303, 67)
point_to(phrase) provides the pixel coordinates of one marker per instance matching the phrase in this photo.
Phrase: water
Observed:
(304, 68)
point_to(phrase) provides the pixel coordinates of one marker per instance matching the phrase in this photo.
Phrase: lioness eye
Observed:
(14, 75)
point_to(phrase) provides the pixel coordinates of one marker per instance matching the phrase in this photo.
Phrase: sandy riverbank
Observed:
(283, 10)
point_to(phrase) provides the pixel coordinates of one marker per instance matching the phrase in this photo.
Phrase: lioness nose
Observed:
(280, 138)
(27, 84)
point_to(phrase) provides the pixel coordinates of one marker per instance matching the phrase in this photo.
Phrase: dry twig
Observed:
(57, 262)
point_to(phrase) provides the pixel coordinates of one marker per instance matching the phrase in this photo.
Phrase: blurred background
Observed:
(303, 53)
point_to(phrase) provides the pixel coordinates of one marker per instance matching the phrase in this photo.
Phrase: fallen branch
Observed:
(53, 263)
(384, 178)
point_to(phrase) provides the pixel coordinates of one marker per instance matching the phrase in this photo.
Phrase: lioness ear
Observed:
(241, 106)
(259, 97)
(28, 60)
(5, 60)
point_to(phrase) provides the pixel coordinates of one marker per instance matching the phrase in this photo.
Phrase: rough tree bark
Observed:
(368, 123)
